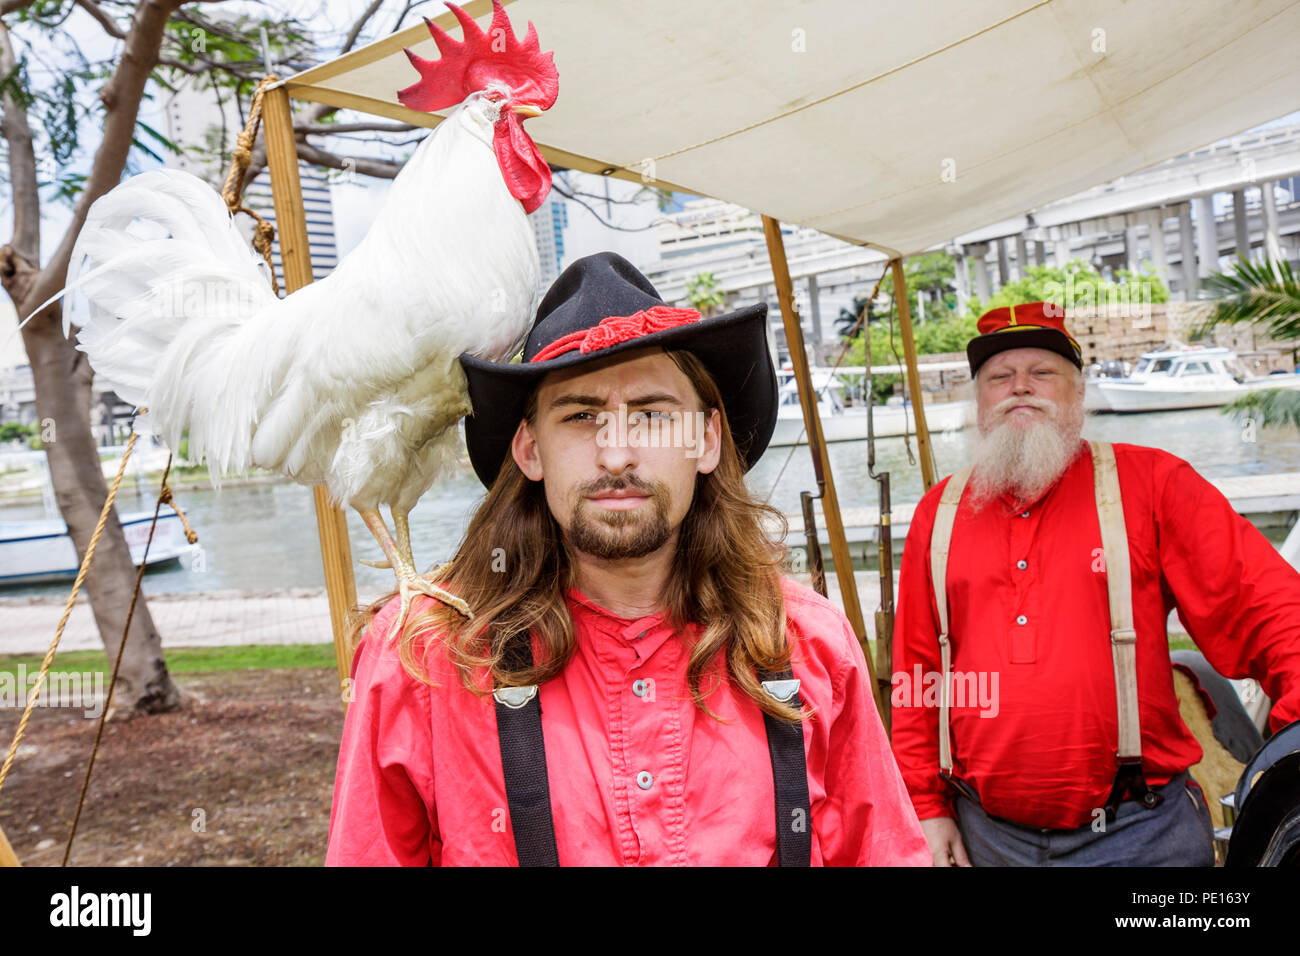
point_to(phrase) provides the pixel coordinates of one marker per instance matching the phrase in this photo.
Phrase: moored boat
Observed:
(1178, 377)
(844, 422)
(40, 550)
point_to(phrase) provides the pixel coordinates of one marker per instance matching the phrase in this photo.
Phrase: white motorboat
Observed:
(841, 422)
(1180, 376)
(41, 550)
(38, 550)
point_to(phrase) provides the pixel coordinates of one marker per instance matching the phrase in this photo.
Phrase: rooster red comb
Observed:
(470, 65)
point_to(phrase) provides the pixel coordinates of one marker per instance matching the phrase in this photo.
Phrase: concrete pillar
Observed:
(1022, 256)
(978, 251)
(1155, 219)
(815, 307)
(1187, 249)
(1004, 267)
(1040, 252)
(1207, 236)
(1240, 224)
(962, 278)
(1272, 245)
(1061, 251)
(1132, 261)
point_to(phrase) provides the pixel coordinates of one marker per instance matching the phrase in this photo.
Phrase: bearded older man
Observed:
(1081, 757)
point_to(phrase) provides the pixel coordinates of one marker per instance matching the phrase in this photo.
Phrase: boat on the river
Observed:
(844, 422)
(1181, 376)
(40, 550)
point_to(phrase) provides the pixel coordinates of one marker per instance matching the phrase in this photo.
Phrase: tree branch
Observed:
(330, 129)
(22, 164)
(319, 111)
(12, 6)
(121, 97)
(361, 164)
(357, 27)
(105, 19)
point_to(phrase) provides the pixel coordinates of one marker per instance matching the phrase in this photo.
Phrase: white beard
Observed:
(1019, 458)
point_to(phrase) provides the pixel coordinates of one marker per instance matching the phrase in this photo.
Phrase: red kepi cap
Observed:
(1030, 325)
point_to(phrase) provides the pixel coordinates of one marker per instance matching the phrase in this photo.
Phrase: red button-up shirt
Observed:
(1030, 630)
(420, 781)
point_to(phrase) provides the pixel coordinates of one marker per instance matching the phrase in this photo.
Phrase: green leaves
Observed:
(1264, 293)
(704, 292)
(1274, 406)
(1075, 286)
(1260, 293)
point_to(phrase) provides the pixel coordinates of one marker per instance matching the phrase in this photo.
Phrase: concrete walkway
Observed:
(203, 619)
(289, 616)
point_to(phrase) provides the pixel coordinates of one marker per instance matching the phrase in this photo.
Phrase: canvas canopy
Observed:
(892, 124)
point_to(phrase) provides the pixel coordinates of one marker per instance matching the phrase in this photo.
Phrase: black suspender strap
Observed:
(789, 774)
(523, 758)
(528, 792)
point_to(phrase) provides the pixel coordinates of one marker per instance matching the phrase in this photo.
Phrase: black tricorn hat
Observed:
(601, 306)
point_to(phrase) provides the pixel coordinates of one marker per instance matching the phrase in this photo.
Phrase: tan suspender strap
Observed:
(940, 541)
(1119, 588)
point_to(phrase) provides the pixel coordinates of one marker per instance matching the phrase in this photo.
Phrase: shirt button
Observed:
(644, 780)
(639, 688)
(1021, 619)
(1022, 564)
(1024, 514)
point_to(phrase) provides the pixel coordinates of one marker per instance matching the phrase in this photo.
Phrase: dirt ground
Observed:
(242, 776)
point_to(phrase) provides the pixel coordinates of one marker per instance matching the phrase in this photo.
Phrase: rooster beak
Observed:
(526, 109)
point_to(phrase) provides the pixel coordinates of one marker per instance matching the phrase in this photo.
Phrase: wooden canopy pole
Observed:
(295, 254)
(817, 445)
(7, 855)
(913, 376)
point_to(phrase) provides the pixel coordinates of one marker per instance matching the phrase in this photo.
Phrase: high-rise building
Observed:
(549, 222)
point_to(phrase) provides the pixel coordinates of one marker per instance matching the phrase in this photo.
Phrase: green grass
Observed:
(192, 660)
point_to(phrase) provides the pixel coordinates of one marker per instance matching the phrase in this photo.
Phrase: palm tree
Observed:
(1265, 293)
(704, 293)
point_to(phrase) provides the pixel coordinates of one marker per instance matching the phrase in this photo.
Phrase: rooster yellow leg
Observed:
(402, 527)
(408, 581)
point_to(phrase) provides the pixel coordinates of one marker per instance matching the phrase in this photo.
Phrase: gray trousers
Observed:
(1178, 832)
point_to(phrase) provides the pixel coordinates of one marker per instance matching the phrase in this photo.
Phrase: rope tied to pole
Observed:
(233, 190)
(165, 497)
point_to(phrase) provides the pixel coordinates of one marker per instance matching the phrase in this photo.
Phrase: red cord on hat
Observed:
(617, 329)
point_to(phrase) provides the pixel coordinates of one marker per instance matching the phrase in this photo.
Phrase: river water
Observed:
(264, 536)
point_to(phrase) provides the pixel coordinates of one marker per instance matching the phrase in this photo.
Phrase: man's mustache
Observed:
(1004, 406)
(623, 483)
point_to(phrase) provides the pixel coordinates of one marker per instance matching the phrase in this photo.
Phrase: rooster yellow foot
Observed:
(397, 555)
(408, 584)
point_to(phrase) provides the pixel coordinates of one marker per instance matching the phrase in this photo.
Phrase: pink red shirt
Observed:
(420, 781)
(1029, 618)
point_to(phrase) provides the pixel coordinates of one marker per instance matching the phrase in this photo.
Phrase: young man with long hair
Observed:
(629, 680)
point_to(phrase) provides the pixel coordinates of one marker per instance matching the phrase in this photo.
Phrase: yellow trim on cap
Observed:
(1030, 328)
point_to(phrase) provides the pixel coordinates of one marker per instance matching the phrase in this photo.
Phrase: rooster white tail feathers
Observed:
(160, 282)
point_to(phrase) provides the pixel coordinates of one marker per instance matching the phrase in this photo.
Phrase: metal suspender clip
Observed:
(781, 690)
(1129, 781)
(515, 697)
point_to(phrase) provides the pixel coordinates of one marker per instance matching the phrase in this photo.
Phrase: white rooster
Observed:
(352, 381)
